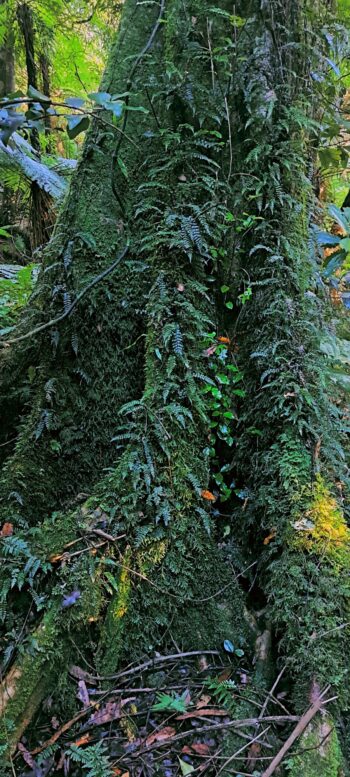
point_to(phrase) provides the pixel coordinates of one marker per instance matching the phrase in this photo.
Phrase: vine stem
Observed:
(71, 307)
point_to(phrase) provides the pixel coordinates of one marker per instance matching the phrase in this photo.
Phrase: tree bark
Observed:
(138, 336)
(158, 193)
(41, 211)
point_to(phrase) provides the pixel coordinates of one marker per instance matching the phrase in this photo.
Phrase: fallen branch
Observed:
(299, 729)
(217, 726)
(157, 660)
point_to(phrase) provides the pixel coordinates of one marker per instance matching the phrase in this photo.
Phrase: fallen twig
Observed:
(241, 749)
(158, 660)
(270, 694)
(215, 727)
(299, 729)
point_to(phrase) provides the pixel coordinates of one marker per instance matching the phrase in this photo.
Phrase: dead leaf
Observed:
(225, 675)
(253, 753)
(111, 711)
(82, 740)
(209, 351)
(81, 674)
(222, 339)
(7, 530)
(212, 712)
(203, 701)
(180, 287)
(161, 736)
(83, 694)
(27, 757)
(270, 537)
(199, 748)
(208, 495)
(203, 663)
(55, 557)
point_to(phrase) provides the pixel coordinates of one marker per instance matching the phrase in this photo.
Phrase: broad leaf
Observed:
(76, 125)
(36, 95)
(339, 216)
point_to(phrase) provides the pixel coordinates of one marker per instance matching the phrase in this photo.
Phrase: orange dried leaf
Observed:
(82, 740)
(161, 736)
(270, 537)
(203, 701)
(225, 675)
(54, 558)
(7, 529)
(201, 748)
(212, 712)
(222, 339)
(208, 495)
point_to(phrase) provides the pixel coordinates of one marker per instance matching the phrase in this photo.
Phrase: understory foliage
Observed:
(187, 391)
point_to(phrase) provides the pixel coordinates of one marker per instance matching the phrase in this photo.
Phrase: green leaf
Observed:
(75, 102)
(36, 95)
(339, 217)
(123, 167)
(345, 244)
(335, 261)
(170, 702)
(100, 98)
(116, 107)
(326, 239)
(185, 768)
(229, 305)
(139, 108)
(224, 289)
(76, 125)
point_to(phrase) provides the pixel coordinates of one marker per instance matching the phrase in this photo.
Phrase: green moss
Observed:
(323, 529)
(30, 678)
(110, 646)
(324, 760)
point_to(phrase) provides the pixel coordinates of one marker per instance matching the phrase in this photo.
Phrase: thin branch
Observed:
(241, 749)
(299, 729)
(270, 694)
(159, 660)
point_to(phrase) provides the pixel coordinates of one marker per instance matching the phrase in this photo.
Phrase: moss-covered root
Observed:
(320, 752)
(25, 685)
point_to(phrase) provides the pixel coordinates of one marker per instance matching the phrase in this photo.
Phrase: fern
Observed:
(93, 760)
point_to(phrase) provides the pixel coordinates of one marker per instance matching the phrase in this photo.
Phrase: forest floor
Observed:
(167, 717)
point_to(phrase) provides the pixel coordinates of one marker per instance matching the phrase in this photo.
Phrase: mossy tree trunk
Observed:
(136, 338)
(158, 192)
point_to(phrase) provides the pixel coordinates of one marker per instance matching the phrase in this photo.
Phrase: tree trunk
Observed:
(137, 336)
(209, 130)
(41, 210)
(7, 59)
(7, 85)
